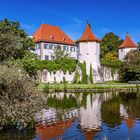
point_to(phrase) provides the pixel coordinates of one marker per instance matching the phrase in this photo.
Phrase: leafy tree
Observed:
(130, 70)
(19, 99)
(59, 53)
(111, 56)
(110, 43)
(14, 42)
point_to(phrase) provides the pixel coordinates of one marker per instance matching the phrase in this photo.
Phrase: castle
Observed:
(85, 49)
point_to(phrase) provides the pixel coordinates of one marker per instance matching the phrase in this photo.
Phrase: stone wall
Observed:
(106, 74)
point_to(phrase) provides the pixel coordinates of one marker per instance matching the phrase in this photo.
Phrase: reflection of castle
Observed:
(129, 121)
(90, 116)
(47, 132)
(85, 122)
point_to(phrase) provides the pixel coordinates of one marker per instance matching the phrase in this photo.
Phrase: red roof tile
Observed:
(52, 34)
(127, 43)
(88, 35)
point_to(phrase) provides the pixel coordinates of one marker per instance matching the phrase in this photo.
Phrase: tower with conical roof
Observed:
(89, 52)
(126, 46)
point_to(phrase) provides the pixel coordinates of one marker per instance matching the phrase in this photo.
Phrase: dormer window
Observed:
(52, 37)
(64, 39)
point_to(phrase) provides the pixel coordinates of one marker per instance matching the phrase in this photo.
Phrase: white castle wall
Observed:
(50, 77)
(56, 77)
(108, 74)
(123, 52)
(42, 51)
(89, 52)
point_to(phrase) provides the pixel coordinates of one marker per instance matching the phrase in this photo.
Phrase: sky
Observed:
(118, 16)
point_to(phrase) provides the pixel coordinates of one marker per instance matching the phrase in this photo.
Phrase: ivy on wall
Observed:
(64, 64)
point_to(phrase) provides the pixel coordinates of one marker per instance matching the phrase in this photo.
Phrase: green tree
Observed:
(110, 43)
(130, 70)
(91, 75)
(59, 53)
(14, 42)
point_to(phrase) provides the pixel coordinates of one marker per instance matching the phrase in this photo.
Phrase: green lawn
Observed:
(107, 85)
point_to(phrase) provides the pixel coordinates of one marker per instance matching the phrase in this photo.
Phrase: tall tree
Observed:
(14, 42)
(110, 43)
(59, 53)
(130, 70)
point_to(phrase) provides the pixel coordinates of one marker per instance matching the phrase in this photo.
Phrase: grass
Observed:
(106, 85)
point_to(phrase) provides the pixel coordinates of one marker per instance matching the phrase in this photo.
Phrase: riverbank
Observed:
(108, 86)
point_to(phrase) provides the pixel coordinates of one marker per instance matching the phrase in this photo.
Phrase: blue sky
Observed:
(118, 16)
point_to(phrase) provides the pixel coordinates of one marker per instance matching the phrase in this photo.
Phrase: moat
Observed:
(85, 116)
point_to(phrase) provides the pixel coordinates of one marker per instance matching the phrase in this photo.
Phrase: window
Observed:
(50, 47)
(121, 50)
(37, 46)
(45, 46)
(65, 48)
(72, 49)
(46, 57)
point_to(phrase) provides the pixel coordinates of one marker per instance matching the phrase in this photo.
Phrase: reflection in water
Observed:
(85, 116)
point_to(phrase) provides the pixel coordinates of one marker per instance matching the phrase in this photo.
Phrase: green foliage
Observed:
(64, 64)
(84, 74)
(19, 99)
(111, 112)
(130, 70)
(116, 64)
(110, 43)
(59, 53)
(64, 103)
(91, 75)
(14, 42)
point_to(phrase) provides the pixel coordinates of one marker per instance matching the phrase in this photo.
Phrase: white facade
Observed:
(89, 52)
(45, 51)
(124, 51)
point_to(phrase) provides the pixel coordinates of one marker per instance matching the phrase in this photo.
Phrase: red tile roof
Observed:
(52, 34)
(128, 43)
(88, 35)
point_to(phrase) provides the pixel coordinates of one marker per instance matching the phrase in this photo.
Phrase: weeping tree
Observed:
(19, 99)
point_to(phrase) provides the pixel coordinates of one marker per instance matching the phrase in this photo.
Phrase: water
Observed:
(86, 116)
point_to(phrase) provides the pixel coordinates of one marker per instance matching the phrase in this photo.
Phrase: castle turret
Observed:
(89, 52)
(126, 46)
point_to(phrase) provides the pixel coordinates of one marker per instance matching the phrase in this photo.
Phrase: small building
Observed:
(89, 52)
(126, 47)
(48, 37)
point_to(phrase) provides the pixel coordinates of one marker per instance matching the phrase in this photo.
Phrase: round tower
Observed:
(89, 52)
(126, 46)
